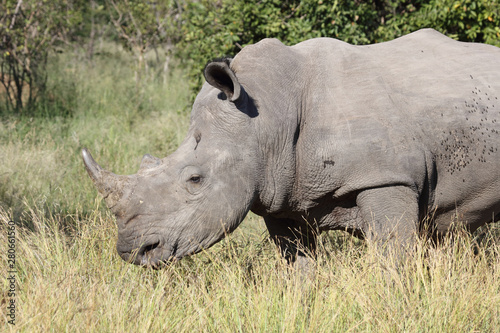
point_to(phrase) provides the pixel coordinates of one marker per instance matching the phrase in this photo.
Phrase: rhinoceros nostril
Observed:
(148, 256)
(148, 248)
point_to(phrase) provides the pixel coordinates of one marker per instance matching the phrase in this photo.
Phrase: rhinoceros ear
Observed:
(219, 75)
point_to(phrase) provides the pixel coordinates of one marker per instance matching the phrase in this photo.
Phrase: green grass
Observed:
(70, 278)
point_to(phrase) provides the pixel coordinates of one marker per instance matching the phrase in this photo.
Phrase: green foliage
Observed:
(200, 30)
(142, 26)
(29, 30)
(214, 28)
(468, 21)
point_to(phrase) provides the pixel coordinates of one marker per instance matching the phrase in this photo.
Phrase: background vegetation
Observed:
(195, 31)
(117, 76)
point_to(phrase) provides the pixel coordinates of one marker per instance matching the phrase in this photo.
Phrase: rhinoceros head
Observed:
(188, 201)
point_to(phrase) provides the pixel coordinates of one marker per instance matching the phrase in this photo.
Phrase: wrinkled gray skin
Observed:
(319, 136)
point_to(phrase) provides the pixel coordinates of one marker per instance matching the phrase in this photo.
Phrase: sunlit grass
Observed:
(70, 278)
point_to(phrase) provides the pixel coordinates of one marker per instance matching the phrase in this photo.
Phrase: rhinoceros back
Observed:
(421, 108)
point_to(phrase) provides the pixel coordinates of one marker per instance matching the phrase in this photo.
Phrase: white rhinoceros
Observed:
(318, 136)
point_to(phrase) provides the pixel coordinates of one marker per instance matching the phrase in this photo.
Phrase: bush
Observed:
(200, 30)
(214, 28)
(29, 30)
(468, 21)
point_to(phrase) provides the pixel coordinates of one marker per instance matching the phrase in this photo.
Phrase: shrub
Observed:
(29, 30)
(214, 28)
(468, 21)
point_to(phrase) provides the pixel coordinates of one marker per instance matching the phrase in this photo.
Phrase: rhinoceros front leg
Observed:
(390, 218)
(296, 242)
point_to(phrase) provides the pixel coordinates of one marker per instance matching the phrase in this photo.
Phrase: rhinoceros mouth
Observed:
(150, 255)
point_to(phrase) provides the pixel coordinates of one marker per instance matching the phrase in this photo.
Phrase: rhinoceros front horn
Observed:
(109, 185)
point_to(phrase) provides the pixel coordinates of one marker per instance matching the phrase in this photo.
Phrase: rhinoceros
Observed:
(378, 140)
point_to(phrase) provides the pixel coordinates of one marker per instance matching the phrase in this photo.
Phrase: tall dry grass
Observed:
(71, 279)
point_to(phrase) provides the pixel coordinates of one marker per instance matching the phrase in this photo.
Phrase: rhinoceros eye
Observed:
(195, 179)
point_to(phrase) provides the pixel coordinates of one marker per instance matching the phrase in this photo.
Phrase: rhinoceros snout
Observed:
(149, 255)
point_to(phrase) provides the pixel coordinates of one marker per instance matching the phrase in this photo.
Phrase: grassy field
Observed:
(69, 277)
